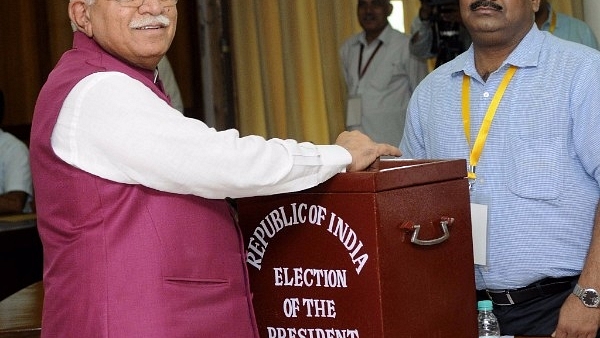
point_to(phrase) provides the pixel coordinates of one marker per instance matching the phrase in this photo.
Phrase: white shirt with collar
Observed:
(387, 84)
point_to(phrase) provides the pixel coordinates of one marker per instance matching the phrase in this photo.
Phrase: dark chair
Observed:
(21, 254)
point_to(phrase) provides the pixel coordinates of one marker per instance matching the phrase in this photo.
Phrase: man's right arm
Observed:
(123, 132)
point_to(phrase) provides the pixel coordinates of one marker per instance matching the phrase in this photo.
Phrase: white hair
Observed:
(87, 2)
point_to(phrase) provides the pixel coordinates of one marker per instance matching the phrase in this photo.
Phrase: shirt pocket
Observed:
(380, 95)
(382, 79)
(534, 169)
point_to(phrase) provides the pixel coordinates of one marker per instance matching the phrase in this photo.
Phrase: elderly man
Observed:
(138, 238)
(523, 107)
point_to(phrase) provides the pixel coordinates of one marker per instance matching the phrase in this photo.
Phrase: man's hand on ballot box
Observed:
(364, 151)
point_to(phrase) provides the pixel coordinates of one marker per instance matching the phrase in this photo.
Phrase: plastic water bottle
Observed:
(486, 320)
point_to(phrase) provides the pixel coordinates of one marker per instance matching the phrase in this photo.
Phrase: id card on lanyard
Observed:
(354, 107)
(479, 208)
(354, 111)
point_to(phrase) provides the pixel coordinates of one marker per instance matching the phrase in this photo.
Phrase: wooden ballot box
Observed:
(377, 254)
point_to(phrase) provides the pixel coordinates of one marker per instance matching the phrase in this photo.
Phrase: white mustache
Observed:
(158, 20)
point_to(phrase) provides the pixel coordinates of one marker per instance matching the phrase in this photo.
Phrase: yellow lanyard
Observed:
(484, 130)
(552, 22)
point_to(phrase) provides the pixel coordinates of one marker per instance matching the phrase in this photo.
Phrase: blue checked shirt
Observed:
(540, 167)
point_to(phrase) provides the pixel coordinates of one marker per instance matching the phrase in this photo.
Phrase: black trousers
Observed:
(536, 317)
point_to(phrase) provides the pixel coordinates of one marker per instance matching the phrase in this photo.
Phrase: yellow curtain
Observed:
(287, 71)
(411, 10)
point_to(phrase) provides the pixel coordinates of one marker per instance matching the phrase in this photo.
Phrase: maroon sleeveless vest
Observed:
(126, 260)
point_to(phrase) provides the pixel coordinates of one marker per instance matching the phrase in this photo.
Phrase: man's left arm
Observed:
(577, 320)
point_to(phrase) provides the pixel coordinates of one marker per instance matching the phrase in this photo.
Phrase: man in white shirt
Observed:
(15, 174)
(380, 74)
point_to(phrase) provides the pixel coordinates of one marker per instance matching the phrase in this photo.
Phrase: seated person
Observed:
(15, 174)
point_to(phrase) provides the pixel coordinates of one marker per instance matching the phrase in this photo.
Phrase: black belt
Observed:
(544, 287)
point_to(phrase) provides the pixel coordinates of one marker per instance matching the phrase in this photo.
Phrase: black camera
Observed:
(446, 34)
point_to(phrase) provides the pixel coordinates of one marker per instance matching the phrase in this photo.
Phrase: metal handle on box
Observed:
(444, 223)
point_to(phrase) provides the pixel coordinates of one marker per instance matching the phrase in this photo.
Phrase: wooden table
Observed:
(21, 313)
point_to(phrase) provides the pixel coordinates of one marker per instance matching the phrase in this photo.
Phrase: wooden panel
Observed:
(21, 313)
(22, 57)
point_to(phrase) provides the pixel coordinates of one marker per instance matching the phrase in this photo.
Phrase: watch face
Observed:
(590, 298)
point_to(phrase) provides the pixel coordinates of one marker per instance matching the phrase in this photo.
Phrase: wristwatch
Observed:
(589, 297)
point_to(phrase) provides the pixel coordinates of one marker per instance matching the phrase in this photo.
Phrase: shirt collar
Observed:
(525, 55)
(384, 36)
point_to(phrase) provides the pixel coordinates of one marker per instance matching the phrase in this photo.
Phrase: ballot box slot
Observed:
(393, 175)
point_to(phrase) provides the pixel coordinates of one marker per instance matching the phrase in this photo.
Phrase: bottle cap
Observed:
(485, 305)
